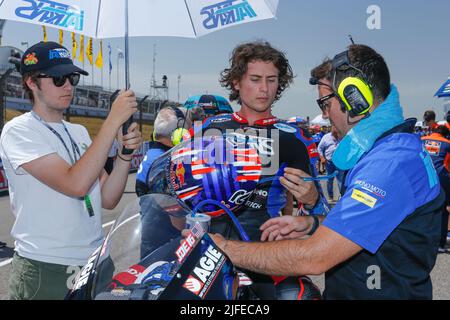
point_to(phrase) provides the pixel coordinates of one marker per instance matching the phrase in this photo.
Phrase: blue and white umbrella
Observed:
(136, 18)
(444, 90)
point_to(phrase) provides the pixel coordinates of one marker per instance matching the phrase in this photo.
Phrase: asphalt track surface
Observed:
(440, 274)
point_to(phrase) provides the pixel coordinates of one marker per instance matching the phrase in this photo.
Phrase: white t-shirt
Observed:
(50, 226)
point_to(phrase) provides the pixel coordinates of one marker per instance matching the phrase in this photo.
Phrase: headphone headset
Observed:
(354, 93)
(177, 133)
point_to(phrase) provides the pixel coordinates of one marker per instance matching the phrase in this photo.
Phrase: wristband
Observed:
(320, 208)
(310, 207)
(123, 158)
(315, 225)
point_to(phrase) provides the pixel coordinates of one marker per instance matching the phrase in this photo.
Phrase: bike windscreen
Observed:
(146, 224)
(144, 257)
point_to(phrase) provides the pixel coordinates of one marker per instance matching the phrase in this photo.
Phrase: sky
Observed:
(412, 36)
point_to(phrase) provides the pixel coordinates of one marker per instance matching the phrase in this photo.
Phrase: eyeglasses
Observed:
(59, 81)
(324, 103)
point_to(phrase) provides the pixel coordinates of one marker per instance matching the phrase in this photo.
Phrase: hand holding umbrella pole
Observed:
(128, 123)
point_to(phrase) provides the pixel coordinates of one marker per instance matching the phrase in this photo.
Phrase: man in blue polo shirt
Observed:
(168, 120)
(381, 239)
(326, 149)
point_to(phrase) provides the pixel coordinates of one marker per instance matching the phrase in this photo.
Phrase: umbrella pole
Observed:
(127, 66)
(128, 123)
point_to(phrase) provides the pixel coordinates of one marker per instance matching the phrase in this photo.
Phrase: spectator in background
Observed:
(167, 122)
(207, 106)
(438, 146)
(197, 114)
(326, 149)
(447, 125)
(429, 119)
(155, 230)
(317, 134)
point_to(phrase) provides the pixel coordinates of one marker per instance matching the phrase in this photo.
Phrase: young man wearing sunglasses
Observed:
(381, 239)
(57, 184)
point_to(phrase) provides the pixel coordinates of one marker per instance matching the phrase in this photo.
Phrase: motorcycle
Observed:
(144, 257)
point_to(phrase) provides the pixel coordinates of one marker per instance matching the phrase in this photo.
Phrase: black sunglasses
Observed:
(323, 102)
(59, 81)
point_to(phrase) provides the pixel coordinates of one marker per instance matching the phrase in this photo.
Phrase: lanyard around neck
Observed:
(75, 149)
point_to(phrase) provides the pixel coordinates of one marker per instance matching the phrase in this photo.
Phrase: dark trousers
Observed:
(445, 184)
(444, 228)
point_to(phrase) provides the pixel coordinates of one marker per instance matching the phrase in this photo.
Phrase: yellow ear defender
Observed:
(356, 95)
(177, 135)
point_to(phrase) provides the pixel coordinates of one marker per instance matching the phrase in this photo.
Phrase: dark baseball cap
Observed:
(49, 58)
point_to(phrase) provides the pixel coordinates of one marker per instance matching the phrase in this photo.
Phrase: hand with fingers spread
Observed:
(123, 107)
(286, 227)
(304, 191)
(132, 140)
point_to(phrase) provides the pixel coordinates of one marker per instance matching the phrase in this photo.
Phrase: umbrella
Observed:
(109, 19)
(320, 121)
(444, 90)
(211, 104)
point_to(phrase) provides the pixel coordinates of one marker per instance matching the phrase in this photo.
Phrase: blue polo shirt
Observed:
(155, 150)
(391, 209)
